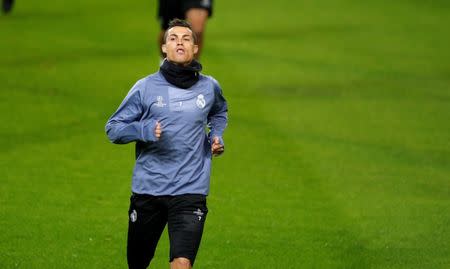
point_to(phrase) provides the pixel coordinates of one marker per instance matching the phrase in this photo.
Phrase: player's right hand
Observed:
(158, 130)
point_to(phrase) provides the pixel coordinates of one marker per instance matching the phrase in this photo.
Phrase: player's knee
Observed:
(197, 17)
(198, 29)
(199, 35)
(181, 263)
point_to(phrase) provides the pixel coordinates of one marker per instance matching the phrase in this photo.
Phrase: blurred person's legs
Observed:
(7, 5)
(198, 17)
(167, 10)
(196, 12)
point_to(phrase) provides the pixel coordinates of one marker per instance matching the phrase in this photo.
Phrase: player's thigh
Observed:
(206, 5)
(169, 10)
(197, 17)
(147, 219)
(186, 220)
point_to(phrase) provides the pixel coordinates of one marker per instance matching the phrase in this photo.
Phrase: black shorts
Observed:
(148, 215)
(171, 9)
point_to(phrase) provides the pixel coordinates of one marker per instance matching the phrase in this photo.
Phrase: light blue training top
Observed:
(179, 162)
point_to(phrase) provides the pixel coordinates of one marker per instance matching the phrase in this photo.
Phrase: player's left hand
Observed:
(216, 147)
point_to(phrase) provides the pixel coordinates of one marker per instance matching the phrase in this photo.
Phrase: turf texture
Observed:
(337, 149)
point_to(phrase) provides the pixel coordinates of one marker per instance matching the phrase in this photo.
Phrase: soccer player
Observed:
(166, 114)
(194, 11)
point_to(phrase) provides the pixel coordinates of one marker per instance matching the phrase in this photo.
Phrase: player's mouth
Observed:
(180, 51)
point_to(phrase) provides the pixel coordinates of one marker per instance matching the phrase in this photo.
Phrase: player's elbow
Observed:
(113, 135)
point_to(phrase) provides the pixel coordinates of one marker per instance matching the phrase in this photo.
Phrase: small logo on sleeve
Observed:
(201, 102)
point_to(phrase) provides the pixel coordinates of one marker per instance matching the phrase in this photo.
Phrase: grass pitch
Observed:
(337, 150)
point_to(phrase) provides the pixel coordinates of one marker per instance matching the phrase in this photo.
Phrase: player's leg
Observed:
(186, 219)
(161, 42)
(167, 11)
(147, 219)
(197, 13)
(163, 17)
(180, 263)
(198, 17)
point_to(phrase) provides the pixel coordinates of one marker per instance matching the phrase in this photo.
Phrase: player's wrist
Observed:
(148, 130)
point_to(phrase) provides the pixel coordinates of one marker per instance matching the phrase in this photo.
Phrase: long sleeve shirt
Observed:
(179, 162)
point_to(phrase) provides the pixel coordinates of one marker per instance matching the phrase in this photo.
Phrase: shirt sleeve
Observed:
(218, 115)
(126, 125)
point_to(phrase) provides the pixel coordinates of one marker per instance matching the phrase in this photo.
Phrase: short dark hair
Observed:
(182, 23)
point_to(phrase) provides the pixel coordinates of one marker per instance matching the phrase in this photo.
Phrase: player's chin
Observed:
(181, 59)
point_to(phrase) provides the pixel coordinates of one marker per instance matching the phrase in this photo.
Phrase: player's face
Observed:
(179, 47)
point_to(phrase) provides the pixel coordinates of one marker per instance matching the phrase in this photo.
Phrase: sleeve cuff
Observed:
(211, 137)
(148, 131)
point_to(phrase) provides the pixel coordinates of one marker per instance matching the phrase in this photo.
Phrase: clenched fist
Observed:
(158, 130)
(216, 147)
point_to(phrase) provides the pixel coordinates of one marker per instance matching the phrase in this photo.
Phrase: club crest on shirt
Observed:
(201, 102)
(160, 101)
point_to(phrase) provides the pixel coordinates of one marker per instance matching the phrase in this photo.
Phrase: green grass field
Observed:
(338, 145)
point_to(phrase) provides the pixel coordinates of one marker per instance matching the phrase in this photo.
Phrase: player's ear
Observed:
(164, 48)
(195, 49)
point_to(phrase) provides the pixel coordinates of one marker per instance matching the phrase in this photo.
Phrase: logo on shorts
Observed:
(199, 213)
(160, 101)
(201, 102)
(206, 3)
(133, 216)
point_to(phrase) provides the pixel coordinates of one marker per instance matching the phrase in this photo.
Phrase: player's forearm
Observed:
(121, 133)
(217, 124)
